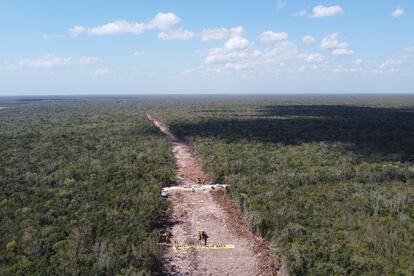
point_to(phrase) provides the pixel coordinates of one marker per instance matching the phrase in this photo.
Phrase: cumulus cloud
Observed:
(308, 39)
(270, 36)
(237, 31)
(316, 57)
(397, 12)
(118, 27)
(238, 54)
(236, 50)
(214, 34)
(342, 52)
(338, 48)
(331, 41)
(88, 60)
(177, 34)
(237, 43)
(162, 21)
(322, 11)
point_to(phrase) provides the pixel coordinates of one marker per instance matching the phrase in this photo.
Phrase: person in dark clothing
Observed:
(205, 237)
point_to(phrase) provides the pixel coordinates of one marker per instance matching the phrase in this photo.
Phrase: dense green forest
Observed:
(79, 187)
(329, 181)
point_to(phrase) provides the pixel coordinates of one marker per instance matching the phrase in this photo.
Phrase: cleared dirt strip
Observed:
(198, 205)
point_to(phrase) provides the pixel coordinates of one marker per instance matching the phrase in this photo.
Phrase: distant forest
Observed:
(327, 180)
(80, 183)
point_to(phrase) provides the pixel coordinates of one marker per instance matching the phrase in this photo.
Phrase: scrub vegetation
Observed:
(79, 187)
(329, 181)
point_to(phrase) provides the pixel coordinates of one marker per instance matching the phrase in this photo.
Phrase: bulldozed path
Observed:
(198, 205)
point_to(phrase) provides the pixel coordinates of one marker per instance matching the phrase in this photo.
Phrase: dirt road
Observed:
(196, 205)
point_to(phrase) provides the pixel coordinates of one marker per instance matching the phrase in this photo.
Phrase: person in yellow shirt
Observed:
(200, 234)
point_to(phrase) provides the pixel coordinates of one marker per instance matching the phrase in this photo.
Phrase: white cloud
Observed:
(270, 36)
(221, 33)
(347, 70)
(342, 52)
(214, 34)
(77, 30)
(236, 50)
(162, 21)
(282, 52)
(316, 57)
(48, 61)
(222, 55)
(391, 63)
(88, 60)
(236, 66)
(237, 43)
(103, 71)
(397, 12)
(322, 11)
(178, 34)
(358, 62)
(304, 68)
(237, 31)
(331, 41)
(239, 54)
(308, 39)
(410, 49)
(118, 27)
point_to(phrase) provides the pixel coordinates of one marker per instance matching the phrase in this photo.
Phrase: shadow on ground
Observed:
(386, 133)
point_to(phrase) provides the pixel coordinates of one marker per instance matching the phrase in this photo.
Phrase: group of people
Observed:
(167, 235)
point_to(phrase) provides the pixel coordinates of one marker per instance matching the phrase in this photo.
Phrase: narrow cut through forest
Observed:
(196, 204)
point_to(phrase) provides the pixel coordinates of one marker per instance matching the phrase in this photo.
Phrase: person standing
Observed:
(205, 237)
(200, 234)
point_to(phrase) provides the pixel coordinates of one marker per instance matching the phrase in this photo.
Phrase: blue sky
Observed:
(173, 46)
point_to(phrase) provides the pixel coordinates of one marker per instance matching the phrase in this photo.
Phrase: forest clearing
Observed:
(196, 206)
